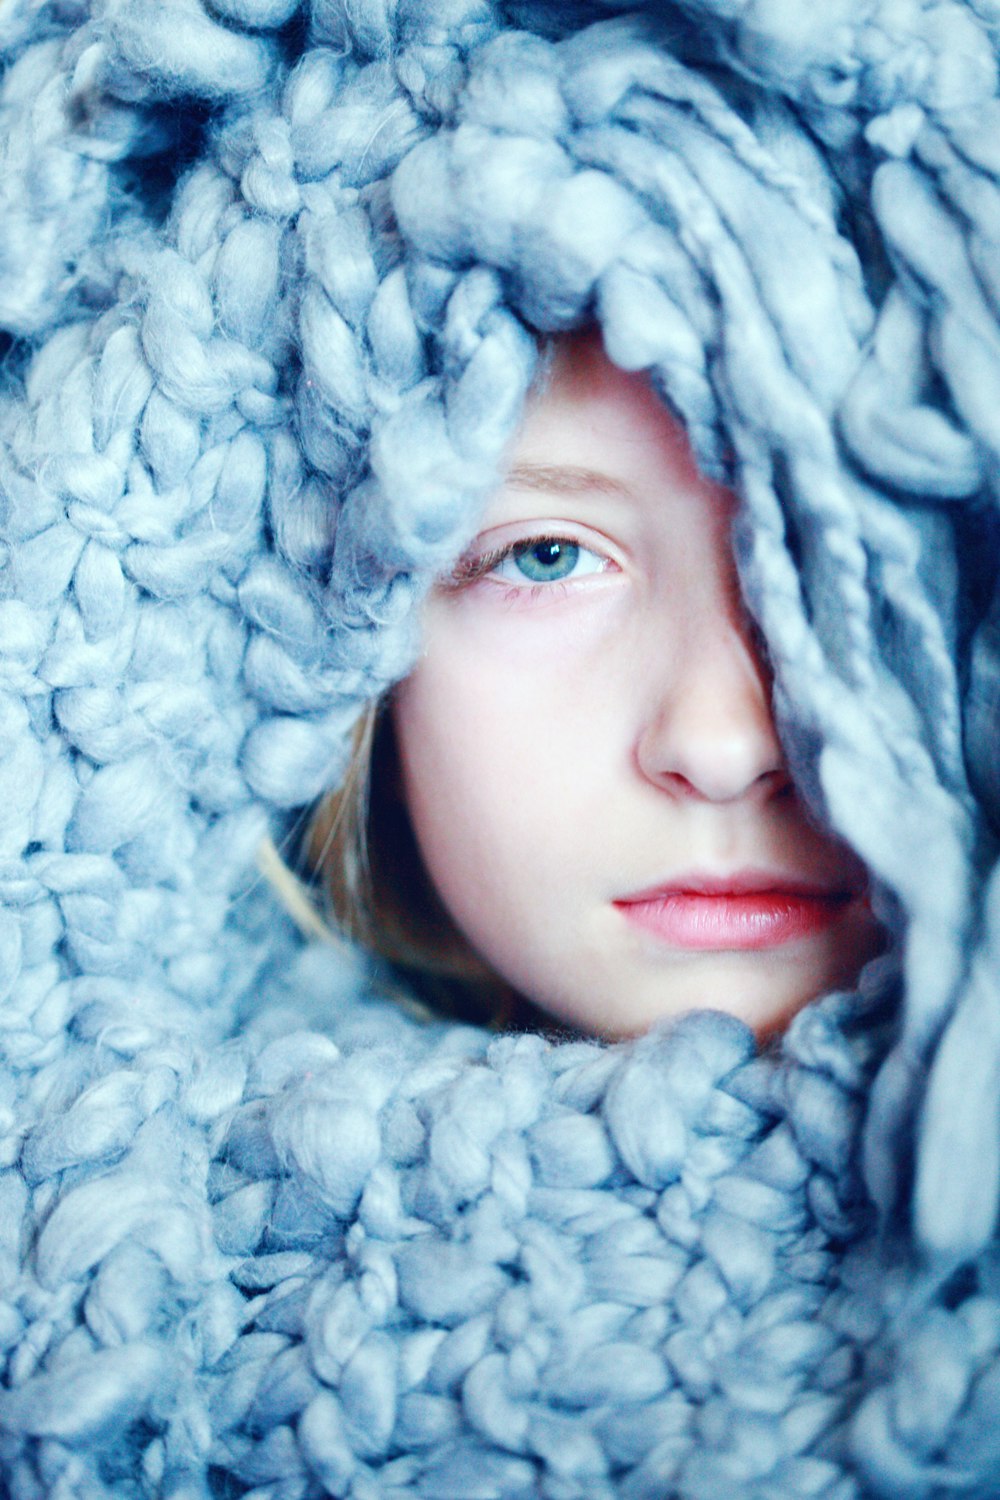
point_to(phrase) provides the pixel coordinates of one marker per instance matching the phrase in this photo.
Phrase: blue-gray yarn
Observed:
(271, 273)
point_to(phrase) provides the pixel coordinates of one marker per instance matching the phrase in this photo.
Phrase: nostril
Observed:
(680, 785)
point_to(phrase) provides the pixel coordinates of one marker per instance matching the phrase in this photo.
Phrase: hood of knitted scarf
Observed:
(270, 272)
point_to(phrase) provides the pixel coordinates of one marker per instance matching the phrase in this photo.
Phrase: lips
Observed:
(747, 911)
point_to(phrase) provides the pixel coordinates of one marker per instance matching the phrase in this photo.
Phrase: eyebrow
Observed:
(565, 479)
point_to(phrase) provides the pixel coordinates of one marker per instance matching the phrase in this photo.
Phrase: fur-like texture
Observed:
(270, 272)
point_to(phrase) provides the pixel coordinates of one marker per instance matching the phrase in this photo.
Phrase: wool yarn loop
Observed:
(273, 278)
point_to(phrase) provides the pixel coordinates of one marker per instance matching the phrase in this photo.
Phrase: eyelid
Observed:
(478, 560)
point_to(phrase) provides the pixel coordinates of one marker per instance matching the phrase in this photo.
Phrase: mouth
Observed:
(747, 911)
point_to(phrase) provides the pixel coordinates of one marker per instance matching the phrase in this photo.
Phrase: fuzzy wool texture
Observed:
(270, 272)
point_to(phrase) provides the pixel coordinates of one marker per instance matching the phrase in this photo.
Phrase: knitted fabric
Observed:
(272, 273)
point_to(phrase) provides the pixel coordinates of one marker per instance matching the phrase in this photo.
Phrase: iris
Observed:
(549, 558)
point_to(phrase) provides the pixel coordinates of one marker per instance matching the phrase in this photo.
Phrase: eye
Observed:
(549, 559)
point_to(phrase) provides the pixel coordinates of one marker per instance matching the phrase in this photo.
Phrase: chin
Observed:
(764, 990)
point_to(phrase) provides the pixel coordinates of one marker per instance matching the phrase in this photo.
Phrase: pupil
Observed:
(548, 553)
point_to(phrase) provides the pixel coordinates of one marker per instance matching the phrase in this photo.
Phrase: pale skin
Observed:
(590, 722)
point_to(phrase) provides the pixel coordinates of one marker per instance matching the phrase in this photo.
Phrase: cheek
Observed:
(468, 763)
(499, 761)
(450, 760)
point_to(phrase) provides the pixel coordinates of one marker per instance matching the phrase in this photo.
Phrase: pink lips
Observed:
(752, 910)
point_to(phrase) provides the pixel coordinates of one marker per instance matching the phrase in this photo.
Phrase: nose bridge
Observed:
(709, 730)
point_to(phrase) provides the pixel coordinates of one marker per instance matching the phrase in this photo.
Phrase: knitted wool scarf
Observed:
(272, 273)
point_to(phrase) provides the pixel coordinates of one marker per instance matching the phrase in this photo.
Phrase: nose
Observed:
(709, 734)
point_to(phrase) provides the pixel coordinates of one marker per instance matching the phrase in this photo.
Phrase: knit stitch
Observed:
(272, 273)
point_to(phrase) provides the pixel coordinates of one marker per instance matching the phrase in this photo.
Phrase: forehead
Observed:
(591, 429)
(588, 413)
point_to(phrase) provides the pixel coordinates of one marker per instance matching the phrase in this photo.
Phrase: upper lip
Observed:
(739, 883)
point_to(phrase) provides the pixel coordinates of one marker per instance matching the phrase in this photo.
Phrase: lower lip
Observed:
(719, 923)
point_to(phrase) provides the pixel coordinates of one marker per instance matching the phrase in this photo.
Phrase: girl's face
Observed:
(586, 744)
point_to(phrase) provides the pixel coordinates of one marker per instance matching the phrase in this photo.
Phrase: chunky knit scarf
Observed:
(268, 270)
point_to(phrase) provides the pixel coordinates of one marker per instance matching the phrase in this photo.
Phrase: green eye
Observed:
(550, 558)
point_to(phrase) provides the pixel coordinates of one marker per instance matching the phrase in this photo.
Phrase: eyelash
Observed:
(469, 570)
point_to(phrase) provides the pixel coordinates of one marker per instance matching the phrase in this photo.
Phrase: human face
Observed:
(586, 744)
